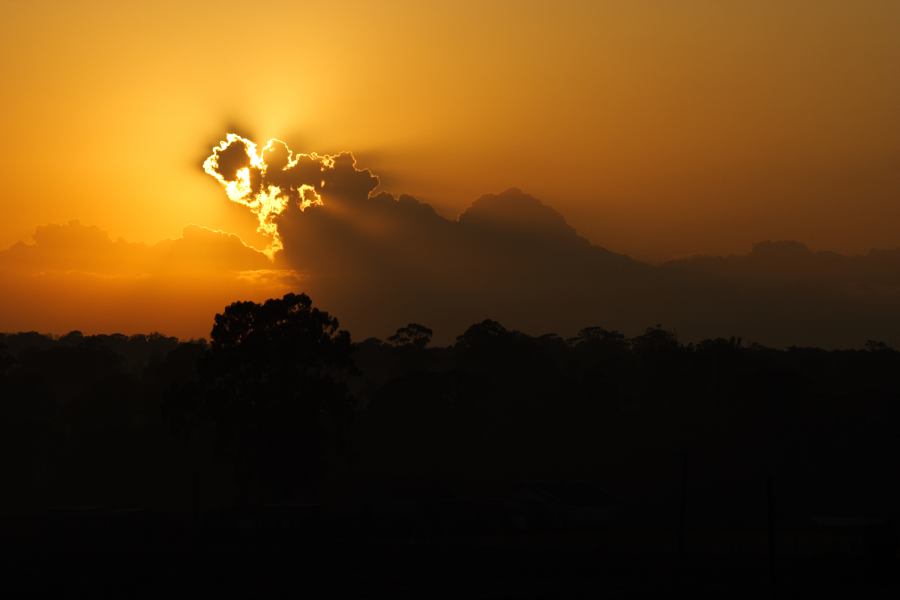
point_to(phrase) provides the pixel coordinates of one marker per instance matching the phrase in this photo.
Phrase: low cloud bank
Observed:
(75, 277)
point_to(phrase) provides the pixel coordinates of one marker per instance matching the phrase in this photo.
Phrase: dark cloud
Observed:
(379, 261)
(783, 293)
(792, 263)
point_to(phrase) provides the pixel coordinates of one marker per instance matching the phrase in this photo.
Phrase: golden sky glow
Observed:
(659, 129)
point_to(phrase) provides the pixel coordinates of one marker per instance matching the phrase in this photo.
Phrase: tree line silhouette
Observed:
(499, 432)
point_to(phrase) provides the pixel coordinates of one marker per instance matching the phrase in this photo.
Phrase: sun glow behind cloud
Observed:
(662, 129)
(250, 180)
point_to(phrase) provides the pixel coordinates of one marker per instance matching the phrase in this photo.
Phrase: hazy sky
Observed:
(658, 128)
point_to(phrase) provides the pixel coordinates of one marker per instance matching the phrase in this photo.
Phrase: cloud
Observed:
(273, 179)
(785, 262)
(77, 247)
(74, 276)
(378, 261)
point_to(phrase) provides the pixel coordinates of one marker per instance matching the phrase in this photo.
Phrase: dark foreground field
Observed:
(280, 456)
(433, 550)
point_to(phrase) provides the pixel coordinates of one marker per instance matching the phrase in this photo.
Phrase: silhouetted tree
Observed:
(597, 346)
(6, 360)
(486, 346)
(655, 341)
(88, 420)
(272, 385)
(878, 346)
(414, 335)
(599, 338)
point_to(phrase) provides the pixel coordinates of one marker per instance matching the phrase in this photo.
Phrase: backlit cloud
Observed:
(273, 179)
(379, 261)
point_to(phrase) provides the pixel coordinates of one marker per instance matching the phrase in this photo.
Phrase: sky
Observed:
(660, 129)
(657, 129)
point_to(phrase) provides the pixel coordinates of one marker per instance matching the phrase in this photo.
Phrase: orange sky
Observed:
(658, 128)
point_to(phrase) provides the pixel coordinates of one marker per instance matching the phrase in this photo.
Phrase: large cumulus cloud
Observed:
(378, 261)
